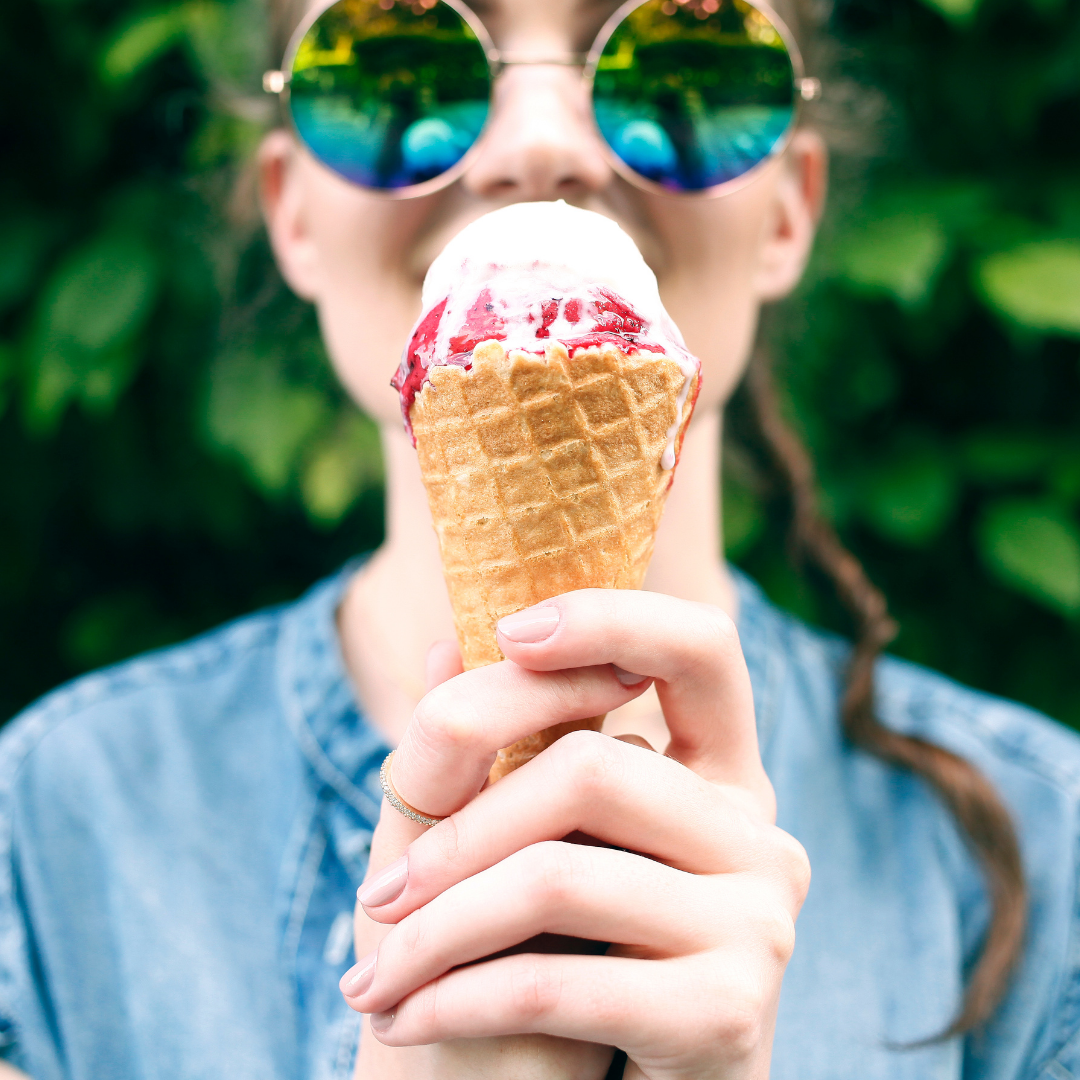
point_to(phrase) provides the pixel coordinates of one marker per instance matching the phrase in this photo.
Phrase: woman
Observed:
(185, 833)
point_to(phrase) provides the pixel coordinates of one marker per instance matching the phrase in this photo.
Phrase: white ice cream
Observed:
(532, 273)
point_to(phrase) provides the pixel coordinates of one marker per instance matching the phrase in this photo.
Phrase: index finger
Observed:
(457, 729)
(692, 651)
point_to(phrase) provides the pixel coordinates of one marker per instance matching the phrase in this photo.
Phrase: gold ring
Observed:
(397, 802)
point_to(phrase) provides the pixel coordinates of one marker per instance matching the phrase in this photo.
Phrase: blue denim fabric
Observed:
(181, 837)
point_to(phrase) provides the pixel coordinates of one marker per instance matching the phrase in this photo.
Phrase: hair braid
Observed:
(972, 800)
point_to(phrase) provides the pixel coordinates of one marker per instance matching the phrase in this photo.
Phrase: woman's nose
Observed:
(540, 142)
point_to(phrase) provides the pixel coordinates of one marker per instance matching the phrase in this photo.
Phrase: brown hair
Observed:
(971, 799)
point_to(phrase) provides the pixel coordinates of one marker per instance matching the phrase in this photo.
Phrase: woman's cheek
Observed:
(712, 249)
(368, 292)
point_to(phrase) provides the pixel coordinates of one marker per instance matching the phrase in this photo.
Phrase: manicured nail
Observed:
(386, 885)
(358, 979)
(381, 1021)
(531, 625)
(627, 678)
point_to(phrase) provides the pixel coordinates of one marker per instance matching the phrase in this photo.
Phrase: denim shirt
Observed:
(182, 835)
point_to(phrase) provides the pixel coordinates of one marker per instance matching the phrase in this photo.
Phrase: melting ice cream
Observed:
(532, 273)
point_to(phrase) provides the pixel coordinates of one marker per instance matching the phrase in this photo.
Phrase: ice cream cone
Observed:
(545, 474)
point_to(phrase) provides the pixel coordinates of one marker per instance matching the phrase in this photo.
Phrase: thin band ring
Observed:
(397, 802)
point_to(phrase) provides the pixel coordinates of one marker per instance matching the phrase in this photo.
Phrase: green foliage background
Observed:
(174, 450)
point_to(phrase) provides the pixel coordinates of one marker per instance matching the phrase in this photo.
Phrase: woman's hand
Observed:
(515, 1057)
(698, 892)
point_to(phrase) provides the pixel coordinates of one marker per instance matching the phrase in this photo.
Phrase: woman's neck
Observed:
(397, 605)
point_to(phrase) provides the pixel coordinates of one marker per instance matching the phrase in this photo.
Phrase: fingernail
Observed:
(627, 678)
(531, 625)
(358, 979)
(381, 1021)
(386, 885)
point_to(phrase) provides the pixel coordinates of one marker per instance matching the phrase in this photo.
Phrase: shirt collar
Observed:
(344, 749)
(761, 632)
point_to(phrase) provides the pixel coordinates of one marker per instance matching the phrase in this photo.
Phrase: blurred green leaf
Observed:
(7, 365)
(1004, 454)
(230, 43)
(64, 371)
(340, 467)
(92, 308)
(110, 628)
(959, 11)
(1034, 548)
(1037, 285)
(898, 255)
(909, 497)
(254, 412)
(23, 245)
(141, 41)
(102, 293)
(1064, 200)
(742, 518)
(1064, 475)
(1047, 8)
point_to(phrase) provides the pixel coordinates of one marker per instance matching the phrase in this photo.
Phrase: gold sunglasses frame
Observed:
(807, 89)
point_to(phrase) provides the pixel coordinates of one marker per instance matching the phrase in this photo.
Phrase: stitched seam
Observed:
(297, 720)
(306, 881)
(24, 732)
(1068, 1003)
(348, 1045)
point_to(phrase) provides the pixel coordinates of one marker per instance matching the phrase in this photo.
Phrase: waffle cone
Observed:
(544, 476)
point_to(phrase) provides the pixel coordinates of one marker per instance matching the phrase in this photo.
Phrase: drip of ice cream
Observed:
(533, 273)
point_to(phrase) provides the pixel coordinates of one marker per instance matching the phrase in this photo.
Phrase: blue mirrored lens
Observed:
(691, 95)
(389, 94)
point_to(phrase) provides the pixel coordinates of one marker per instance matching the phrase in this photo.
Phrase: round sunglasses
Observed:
(689, 96)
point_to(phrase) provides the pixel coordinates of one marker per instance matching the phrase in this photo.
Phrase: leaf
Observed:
(958, 11)
(111, 628)
(1004, 454)
(7, 367)
(62, 372)
(1064, 475)
(899, 255)
(1034, 548)
(141, 42)
(1037, 285)
(93, 307)
(255, 413)
(229, 41)
(23, 244)
(1047, 8)
(909, 498)
(102, 292)
(742, 518)
(345, 464)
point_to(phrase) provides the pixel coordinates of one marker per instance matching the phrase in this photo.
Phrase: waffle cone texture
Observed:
(543, 475)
